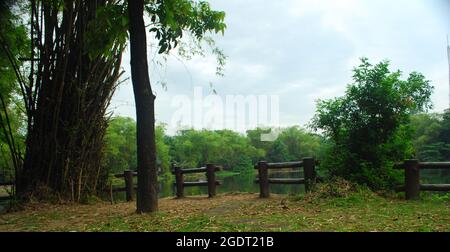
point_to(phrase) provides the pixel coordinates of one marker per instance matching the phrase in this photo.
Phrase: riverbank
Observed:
(358, 211)
(195, 176)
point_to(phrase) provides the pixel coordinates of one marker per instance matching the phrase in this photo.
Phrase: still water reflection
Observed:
(236, 183)
(245, 183)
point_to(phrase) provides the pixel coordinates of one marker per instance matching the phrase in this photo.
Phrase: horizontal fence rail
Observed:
(286, 165)
(129, 188)
(3, 198)
(199, 183)
(426, 165)
(197, 170)
(428, 187)
(436, 165)
(122, 175)
(211, 182)
(6, 197)
(122, 189)
(284, 181)
(308, 165)
(412, 185)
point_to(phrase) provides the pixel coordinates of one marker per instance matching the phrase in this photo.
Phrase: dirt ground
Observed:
(236, 212)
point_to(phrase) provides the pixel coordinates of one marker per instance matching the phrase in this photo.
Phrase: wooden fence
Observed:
(129, 185)
(412, 185)
(411, 188)
(211, 182)
(6, 184)
(263, 179)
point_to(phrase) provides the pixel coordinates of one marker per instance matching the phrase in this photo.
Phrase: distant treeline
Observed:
(194, 148)
(432, 136)
(238, 152)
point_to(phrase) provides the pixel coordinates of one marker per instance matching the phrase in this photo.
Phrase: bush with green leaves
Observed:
(14, 43)
(368, 126)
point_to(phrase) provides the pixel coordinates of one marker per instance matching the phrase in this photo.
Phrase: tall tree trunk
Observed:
(147, 193)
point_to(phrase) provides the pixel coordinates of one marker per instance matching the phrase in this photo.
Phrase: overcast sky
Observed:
(305, 50)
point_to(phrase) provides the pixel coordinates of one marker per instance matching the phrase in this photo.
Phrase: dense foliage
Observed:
(368, 126)
(13, 35)
(432, 136)
(432, 143)
(120, 146)
(238, 152)
(191, 148)
(194, 148)
(58, 75)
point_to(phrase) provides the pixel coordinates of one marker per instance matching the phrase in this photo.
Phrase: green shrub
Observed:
(368, 127)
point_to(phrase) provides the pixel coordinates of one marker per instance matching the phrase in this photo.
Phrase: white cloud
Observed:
(305, 50)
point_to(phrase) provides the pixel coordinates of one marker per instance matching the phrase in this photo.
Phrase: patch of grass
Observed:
(196, 223)
(355, 210)
(112, 225)
(5, 190)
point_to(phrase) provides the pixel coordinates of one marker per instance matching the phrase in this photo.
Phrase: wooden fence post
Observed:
(179, 181)
(129, 188)
(309, 173)
(412, 181)
(211, 177)
(263, 174)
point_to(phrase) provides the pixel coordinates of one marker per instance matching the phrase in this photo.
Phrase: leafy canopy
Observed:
(368, 125)
(432, 136)
(169, 20)
(120, 147)
(14, 44)
(171, 17)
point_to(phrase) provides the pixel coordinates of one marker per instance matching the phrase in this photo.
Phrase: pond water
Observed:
(234, 183)
(435, 176)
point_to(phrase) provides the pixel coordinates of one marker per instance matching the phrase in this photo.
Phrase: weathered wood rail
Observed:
(211, 181)
(129, 188)
(412, 185)
(9, 197)
(310, 176)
